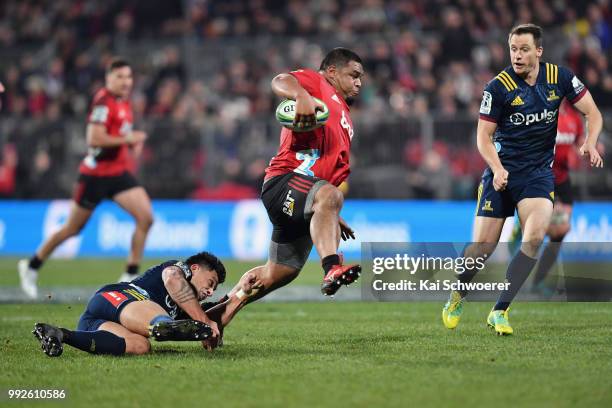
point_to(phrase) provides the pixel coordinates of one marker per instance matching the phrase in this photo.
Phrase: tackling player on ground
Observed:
(106, 172)
(120, 317)
(300, 191)
(516, 137)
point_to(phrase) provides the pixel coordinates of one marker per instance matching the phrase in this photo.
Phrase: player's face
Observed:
(347, 79)
(119, 81)
(524, 54)
(204, 281)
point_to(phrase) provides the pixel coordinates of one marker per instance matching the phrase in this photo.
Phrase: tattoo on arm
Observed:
(184, 293)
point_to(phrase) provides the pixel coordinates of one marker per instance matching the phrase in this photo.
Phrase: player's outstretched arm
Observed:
(184, 296)
(484, 140)
(586, 105)
(98, 137)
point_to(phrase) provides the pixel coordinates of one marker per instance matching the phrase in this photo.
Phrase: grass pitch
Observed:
(329, 354)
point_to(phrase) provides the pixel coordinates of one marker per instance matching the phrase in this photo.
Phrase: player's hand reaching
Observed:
(500, 179)
(213, 341)
(250, 282)
(305, 111)
(346, 232)
(591, 152)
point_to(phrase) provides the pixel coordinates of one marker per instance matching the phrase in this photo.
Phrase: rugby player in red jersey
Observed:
(106, 172)
(300, 190)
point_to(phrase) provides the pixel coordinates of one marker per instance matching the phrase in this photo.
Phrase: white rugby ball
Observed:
(285, 113)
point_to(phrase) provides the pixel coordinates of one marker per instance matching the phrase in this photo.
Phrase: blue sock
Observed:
(95, 342)
(160, 318)
(518, 271)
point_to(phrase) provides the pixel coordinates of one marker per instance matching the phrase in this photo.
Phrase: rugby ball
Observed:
(285, 113)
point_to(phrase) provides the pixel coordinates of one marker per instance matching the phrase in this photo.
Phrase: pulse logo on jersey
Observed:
(519, 119)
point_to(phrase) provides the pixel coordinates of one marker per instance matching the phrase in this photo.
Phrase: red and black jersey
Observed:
(570, 130)
(323, 152)
(116, 116)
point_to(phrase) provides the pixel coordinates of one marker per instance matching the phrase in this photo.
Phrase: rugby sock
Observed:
(518, 271)
(330, 261)
(160, 318)
(35, 262)
(547, 260)
(95, 342)
(466, 277)
(132, 269)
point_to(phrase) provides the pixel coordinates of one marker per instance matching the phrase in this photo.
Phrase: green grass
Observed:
(321, 354)
(336, 354)
(97, 272)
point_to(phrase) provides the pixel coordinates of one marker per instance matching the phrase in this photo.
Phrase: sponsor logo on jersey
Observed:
(519, 119)
(346, 125)
(289, 204)
(115, 298)
(487, 102)
(171, 307)
(99, 114)
(552, 96)
(517, 101)
(577, 85)
(487, 206)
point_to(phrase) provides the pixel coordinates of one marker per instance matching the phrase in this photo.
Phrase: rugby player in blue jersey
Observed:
(120, 318)
(516, 137)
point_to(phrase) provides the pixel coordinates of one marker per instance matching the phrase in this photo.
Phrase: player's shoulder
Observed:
(503, 82)
(179, 264)
(310, 74)
(102, 97)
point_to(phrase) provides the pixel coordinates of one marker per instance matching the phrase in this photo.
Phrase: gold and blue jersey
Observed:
(526, 115)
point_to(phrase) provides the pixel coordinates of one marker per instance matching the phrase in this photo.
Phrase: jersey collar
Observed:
(541, 75)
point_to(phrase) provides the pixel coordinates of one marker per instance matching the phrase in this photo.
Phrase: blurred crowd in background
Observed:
(202, 91)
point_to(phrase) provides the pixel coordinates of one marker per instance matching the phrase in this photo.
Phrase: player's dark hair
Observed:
(535, 30)
(208, 261)
(339, 57)
(117, 63)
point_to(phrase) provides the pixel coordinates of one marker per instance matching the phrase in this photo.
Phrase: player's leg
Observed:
(135, 200)
(492, 208)
(108, 338)
(147, 318)
(534, 214)
(325, 234)
(28, 269)
(253, 285)
(558, 229)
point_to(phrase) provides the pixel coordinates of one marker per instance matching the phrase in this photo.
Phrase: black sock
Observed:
(132, 269)
(547, 260)
(517, 273)
(330, 261)
(35, 262)
(95, 342)
(466, 277)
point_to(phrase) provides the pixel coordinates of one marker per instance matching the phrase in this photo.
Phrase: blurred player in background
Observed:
(121, 317)
(106, 172)
(300, 190)
(516, 137)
